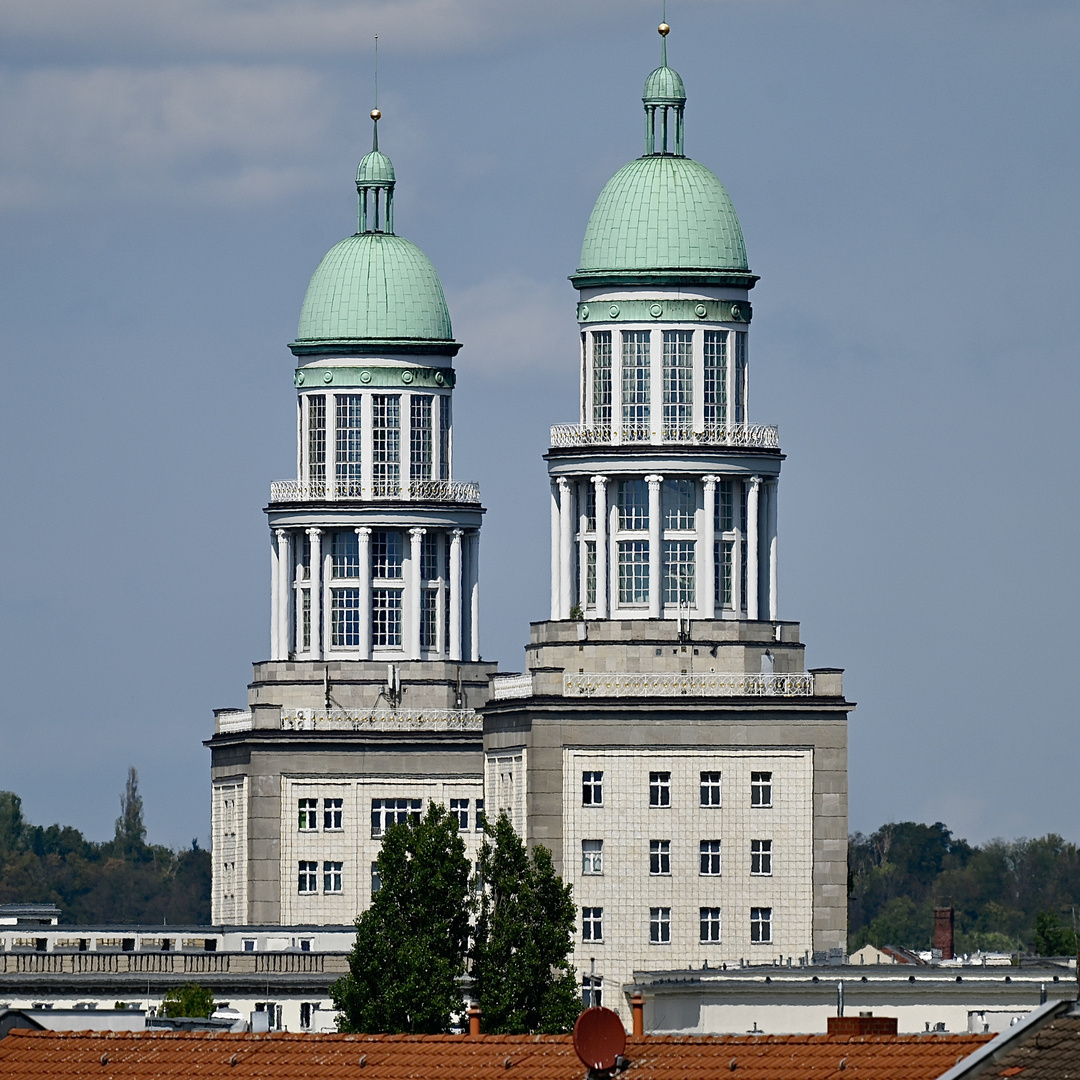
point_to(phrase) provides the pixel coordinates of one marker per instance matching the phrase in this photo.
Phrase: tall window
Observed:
(459, 809)
(724, 560)
(386, 443)
(601, 379)
(632, 497)
(332, 876)
(710, 789)
(345, 617)
(761, 924)
(344, 554)
(590, 506)
(633, 571)
(724, 511)
(709, 855)
(659, 789)
(592, 856)
(659, 856)
(592, 924)
(376, 879)
(387, 812)
(678, 381)
(316, 409)
(679, 583)
(715, 388)
(305, 619)
(309, 815)
(761, 858)
(332, 814)
(347, 444)
(308, 877)
(444, 436)
(429, 618)
(761, 789)
(679, 500)
(592, 991)
(386, 555)
(592, 789)
(386, 617)
(709, 921)
(660, 925)
(590, 572)
(421, 450)
(429, 557)
(743, 496)
(635, 385)
(740, 377)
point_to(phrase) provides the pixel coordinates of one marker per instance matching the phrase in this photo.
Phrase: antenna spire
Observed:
(663, 30)
(375, 114)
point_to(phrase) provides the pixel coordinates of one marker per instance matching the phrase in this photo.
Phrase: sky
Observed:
(905, 174)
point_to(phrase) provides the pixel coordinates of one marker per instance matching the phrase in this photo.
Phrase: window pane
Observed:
(386, 444)
(659, 925)
(592, 856)
(740, 377)
(602, 379)
(386, 555)
(633, 503)
(386, 617)
(633, 571)
(635, 385)
(420, 451)
(348, 443)
(715, 388)
(590, 572)
(679, 582)
(344, 554)
(429, 612)
(710, 789)
(679, 500)
(444, 436)
(678, 382)
(345, 617)
(316, 406)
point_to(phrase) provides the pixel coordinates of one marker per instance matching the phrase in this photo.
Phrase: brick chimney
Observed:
(637, 1008)
(863, 1024)
(944, 920)
(474, 1019)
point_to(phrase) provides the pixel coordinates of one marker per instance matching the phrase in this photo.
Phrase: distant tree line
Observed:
(123, 880)
(1008, 895)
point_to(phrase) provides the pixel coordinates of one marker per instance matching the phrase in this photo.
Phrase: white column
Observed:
(315, 570)
(770, 526)
(582, 551)
(566, 532)
(600, 486)
(405, 414)
(275, 596)
(363, 544)
(331, 446)
(729, 352)
(706, 556)
(284, 561)
(752, 547)
(616, 387)
(738, 548)
(327, 612)
(455, 594)
(366, 444)
(556, 533)
(474, 594)
(656, 582)
(656, 385)
(412, 591)
(613, 557)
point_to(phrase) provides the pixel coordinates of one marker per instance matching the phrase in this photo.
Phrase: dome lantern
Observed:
(664, 91)
(375, 182)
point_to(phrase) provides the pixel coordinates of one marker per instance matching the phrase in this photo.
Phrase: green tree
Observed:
(524, 934)
(191, 999)
(130, 831)
(411, 943)
(1051, 938)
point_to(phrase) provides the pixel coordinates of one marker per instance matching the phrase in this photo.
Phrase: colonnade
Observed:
(753, 540)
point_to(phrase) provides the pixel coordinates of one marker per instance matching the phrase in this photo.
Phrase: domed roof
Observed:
(663, 85)
(662, 213)
(374, 286)
(375, 168)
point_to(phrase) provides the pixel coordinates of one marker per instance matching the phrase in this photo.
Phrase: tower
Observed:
(666, 740)
(366, 708)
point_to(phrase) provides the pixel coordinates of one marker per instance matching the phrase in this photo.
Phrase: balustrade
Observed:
(446, 491)
(621, 684)
(759, 436)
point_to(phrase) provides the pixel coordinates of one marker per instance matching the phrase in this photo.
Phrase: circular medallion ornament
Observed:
(735, 313)
(584, 312)
(365, 376)
(328, 376)
(613, 311)
(656, 311)
(299, 380)
(440, 379)
(701, 311)
(406, 376)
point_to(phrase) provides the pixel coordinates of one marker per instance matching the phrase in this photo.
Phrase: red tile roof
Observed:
(64, 1055)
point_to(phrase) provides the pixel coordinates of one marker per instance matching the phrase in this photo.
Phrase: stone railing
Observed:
(758, 436)
(445, 491)
(508, 687)
(178, 963)
(381, 720)
(229, 720)
(600, 684)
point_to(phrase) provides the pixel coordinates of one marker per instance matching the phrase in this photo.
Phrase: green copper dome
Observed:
(375, 168)
(664, 85)
(374, 286)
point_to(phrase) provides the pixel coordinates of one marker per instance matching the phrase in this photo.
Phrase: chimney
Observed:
(863, 1024)
(944, 919)
(474, 1019)
(637, 1008)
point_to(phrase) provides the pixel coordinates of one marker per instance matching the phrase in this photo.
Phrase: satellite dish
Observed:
(599, 1038)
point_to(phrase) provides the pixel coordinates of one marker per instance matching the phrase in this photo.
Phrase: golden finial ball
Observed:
(375, 114)
(663, 29)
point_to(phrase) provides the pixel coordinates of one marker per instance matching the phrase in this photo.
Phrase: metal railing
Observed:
(119, 963)
(381, 720)
(758, 436)
(619, 684)
(508, 687)
(448, 491)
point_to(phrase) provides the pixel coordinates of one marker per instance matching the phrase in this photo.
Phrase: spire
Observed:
(375, 176)
(664, 90)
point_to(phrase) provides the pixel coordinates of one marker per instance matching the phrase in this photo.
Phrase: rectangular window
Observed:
(386, 444)
(601, 380)
(632, 499)
(590, 572)
(387, 812)
(345, 618)
(633, 571)
(709, 921)
(715, 388)
(347, 443)
(308, 877)
(724, 511)
(592, 924)
(309, 815)
(680, 586)
(592, 991)
(761, 858)
(761, 924)
(305, 619)
(592, 789)
(459, 809)
(659, 789)
(420, 438)
(592, 856)
(659, 856)
(740, 377)
(679, 500)
(332, 877)
(481, 821)
(344, 554)
(636, 382)
(723, 561)
(332, 814)
(660, 925)
(429, 618)
(386, 617)
(429, 557)
(710, 789)
(709, 854)
(306, 1009)
(376, 879)
(444, 436)
(316, 412)
(590, 506)
(678, 382)
(761, 789)
(386, 555)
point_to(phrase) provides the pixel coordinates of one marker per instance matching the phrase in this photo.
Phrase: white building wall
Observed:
(506, 786)
(228, 825)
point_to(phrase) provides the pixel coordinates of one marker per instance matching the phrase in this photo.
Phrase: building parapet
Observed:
(755, 436)
(624, 684)
(508, 687)
(179, 963)
(227, 721)
(442, 491)
(381, 720)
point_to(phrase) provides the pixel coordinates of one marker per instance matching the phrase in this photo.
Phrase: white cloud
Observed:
(206, 132)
